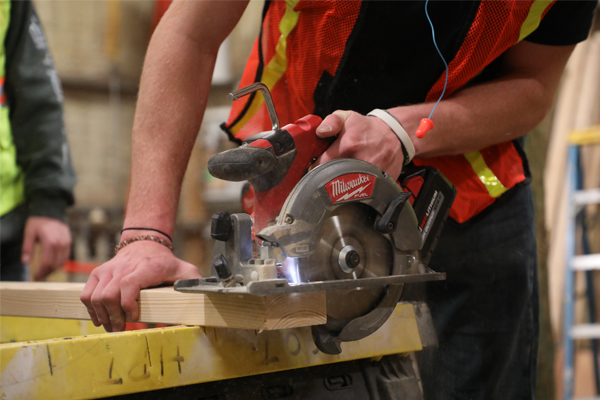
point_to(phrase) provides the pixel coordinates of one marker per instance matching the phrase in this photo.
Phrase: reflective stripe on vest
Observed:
(491, 182)
(524, 17)
(304, 24)
(276, 68)
(11, 177)
(534, 17)
(494, 187)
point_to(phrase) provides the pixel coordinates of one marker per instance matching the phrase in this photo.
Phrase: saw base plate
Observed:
(282, 286)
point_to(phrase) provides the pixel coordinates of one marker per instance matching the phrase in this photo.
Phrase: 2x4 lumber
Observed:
(577, 103)
(164, 305)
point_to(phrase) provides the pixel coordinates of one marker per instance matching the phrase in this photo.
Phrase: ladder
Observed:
(577, 199)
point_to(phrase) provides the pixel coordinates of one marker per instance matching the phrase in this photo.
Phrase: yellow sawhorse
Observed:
(111, 364)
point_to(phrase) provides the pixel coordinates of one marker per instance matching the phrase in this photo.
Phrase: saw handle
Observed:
(272, 190)
(309, 145)
(270, 151)
(242, 163)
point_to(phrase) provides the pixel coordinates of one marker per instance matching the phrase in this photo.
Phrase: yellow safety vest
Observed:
(12, 192)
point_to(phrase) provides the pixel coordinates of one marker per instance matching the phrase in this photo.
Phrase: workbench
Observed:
(99, 365)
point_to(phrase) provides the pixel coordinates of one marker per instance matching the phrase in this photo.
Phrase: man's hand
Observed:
(54, 237)
(364, 138)
(112, 291)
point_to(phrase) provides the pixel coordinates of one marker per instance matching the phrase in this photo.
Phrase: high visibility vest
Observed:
(321, 29)
(12, 191)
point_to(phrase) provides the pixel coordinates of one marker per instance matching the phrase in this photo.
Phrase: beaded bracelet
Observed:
(124, 243)
(147, 229)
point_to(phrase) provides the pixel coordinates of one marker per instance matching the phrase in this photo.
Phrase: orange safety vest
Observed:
(315, 33)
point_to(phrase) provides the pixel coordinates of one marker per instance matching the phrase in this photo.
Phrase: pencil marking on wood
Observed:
(179, 359)
(162, 364)
(49, 359)
(112, 362)
(268, 360)
(148, 352)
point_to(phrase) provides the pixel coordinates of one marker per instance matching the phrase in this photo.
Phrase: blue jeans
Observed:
(486, 312)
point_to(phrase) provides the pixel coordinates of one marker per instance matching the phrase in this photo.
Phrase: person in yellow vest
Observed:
(36, 175)
(341, 60)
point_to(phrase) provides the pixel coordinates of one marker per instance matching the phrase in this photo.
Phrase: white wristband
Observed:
(398, 129)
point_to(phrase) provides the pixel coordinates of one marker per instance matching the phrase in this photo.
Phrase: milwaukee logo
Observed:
(338, 186)
(350, 187)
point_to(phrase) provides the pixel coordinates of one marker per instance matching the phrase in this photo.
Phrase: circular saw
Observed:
(344, 227)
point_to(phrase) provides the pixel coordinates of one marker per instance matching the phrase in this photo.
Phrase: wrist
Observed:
(411, 117)
(134, 231)
(50, 206)
(140, 238)
(152, 222)
(143, 213)
(407, 146)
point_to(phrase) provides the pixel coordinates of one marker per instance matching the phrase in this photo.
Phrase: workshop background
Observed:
(99, 47)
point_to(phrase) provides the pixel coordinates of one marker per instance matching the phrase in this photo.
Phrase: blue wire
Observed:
(441, 56)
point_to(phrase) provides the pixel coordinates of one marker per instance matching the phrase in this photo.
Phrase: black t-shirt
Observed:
(568, 22)
(390, 59)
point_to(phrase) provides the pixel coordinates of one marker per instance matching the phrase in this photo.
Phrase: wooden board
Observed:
(164, 305)
(577, 108)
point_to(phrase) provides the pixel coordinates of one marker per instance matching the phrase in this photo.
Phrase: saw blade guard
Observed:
(329, 229)
(330, 186)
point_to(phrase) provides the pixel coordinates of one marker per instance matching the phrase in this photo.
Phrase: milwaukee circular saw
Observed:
(344, 227)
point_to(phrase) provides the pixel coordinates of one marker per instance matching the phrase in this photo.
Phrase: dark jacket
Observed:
(36, 117)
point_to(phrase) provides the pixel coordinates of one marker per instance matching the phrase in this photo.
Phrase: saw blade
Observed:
(349, 247)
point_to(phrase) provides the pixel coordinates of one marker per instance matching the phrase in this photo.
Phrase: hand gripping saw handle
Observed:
(273, 162)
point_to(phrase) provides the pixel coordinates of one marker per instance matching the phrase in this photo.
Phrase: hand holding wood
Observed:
(112, 291)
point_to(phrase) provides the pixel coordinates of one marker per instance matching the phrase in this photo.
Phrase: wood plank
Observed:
(576, 109)
(563, 121)
(164, 305)
(554, 178)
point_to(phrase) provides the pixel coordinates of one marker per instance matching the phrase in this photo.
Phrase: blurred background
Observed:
(99, 47)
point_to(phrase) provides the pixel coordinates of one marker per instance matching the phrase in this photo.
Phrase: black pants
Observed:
(12, 227)
(486, 312)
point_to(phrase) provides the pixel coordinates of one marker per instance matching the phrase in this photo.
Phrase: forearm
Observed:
(167, 120)
(173, 94)
(478, 117)
(492, 112)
